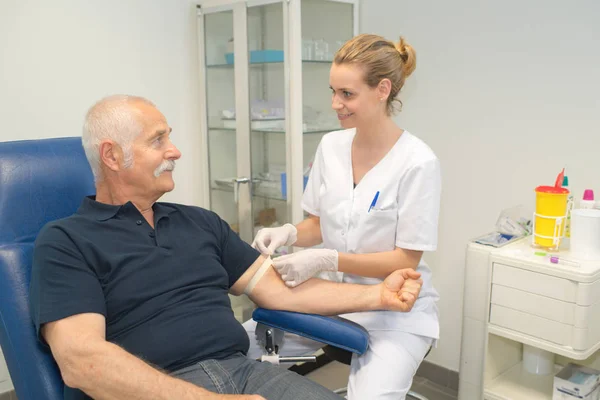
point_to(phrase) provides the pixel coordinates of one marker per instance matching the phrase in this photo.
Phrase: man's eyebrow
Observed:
(160, 133)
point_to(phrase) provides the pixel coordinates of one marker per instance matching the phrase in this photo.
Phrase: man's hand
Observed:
(300, 266)
(400, 290)
(267, 240)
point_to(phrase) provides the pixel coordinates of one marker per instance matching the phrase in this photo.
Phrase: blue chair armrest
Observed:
(335, 331)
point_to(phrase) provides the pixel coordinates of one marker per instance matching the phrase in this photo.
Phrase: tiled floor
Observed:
(8, 396)
(335, 375)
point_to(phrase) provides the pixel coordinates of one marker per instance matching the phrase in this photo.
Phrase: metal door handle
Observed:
(236, 187)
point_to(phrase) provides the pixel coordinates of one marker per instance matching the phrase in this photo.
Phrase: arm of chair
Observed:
(334, 331)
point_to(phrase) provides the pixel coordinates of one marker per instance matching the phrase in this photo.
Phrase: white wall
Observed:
(506, 93)
(57, 58)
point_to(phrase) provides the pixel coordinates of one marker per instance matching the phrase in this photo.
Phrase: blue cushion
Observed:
(40, 181)
(335, 331)
(34, 373)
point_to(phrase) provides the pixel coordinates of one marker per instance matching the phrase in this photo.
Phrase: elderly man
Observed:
(130, 294)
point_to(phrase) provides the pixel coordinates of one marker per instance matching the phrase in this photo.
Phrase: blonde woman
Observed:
(373, 197)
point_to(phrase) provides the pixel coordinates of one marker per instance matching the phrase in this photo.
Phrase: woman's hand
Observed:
(303, 265)
(267, 240)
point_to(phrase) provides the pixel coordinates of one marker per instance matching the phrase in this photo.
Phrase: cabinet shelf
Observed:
(518, 384)
(305, 132)
(543, 344)
(262, 64)
(257, 193)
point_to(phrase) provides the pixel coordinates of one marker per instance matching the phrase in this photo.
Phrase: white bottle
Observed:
(588, 199)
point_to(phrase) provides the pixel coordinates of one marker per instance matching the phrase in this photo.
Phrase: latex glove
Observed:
(298, 267)
(267, 240)
(400, 290)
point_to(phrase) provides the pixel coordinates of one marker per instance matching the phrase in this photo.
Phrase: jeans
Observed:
(240, 375)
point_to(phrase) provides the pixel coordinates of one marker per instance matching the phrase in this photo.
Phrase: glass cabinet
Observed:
(265, 99)
(265, 104)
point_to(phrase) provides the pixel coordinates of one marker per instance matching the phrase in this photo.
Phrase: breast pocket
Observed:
(377, 231)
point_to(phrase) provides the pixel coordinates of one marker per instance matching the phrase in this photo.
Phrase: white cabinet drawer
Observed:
(533, 282)
(530, 324)
(542, 328)
(534, 304)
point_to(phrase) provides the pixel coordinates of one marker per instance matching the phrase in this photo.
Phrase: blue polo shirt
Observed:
(163, 291)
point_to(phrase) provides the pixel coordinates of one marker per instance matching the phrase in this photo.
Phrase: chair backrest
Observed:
(40, 181)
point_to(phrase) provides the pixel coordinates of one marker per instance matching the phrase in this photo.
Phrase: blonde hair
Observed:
(381, 59)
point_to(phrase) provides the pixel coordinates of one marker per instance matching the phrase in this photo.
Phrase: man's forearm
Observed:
(106, 372)
(317, 296)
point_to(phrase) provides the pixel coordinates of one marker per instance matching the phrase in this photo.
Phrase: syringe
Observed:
(557, 260)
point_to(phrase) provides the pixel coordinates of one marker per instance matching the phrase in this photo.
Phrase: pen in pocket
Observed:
(374, 201)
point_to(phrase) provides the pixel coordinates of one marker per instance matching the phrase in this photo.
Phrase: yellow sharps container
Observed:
(550, 216)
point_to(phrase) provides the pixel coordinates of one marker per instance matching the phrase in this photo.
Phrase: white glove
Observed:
(267, 240)
(298, 267)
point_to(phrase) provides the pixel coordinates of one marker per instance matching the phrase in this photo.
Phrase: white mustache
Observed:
(167, 165)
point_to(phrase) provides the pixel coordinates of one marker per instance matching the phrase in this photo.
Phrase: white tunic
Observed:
(405, 215)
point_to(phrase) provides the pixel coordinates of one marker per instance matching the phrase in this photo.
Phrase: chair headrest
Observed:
(40, 181)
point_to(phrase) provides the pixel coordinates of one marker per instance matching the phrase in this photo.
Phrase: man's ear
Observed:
(111, 155)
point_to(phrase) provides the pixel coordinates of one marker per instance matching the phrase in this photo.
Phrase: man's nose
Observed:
(174, 153)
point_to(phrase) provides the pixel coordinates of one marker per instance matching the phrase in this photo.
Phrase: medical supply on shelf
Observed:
(585, 234)
(565, 185)
(550, 216)
(259, 56)
(260, 110)
(496, 239)
(576, 382)
(509, 226)
(558, 260)
(514, 221)
(588, 199)
(512, 224)
(537, 361)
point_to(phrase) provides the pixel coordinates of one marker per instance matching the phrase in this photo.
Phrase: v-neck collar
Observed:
(383, 159)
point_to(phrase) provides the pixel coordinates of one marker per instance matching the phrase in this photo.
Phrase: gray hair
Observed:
(115, 119)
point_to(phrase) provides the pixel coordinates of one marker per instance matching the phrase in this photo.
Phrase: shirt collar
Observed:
(104, 212)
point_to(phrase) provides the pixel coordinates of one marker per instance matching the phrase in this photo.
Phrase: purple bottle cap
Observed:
(588, 194)
(554, 259)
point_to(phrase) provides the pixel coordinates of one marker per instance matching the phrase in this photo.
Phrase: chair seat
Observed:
(334, 331)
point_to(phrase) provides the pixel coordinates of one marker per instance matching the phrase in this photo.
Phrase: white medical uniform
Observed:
(405, 215)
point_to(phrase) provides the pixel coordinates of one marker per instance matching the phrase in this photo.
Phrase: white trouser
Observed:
(384, 372)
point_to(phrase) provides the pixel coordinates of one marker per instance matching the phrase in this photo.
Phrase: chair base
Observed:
(409, 396)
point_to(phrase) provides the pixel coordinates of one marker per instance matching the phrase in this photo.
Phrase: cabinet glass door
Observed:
(267, 114)
(220, 109)
(326, 25)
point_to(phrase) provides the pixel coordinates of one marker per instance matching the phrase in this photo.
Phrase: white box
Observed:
(576, 382)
